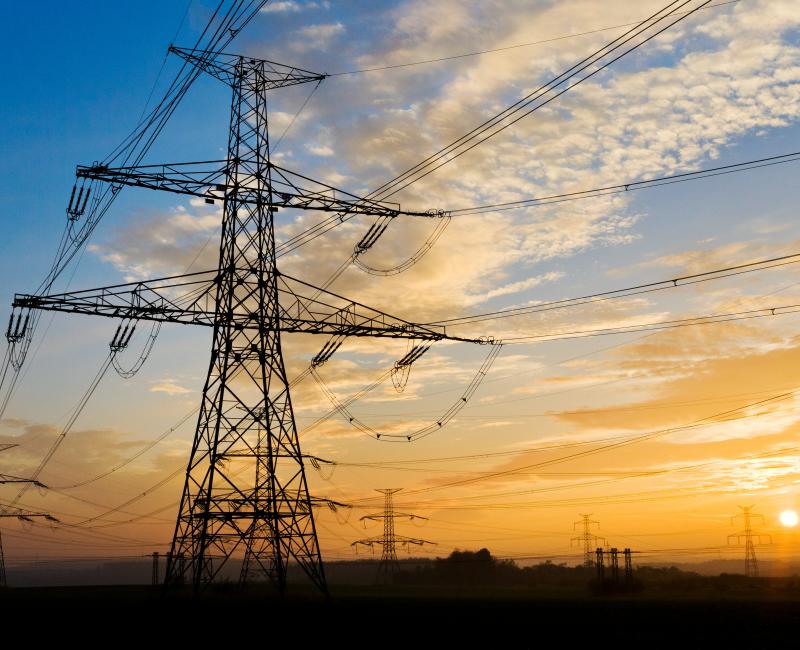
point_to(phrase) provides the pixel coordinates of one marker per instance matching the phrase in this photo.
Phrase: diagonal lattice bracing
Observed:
(264, 514)
(245, 493)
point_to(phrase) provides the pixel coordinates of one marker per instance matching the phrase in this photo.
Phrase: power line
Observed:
(705, 421)
(632, 186)
(310, 234)
(650, 287)
(527, 105)
(502, 120)
(133, 148)
(130, 459)
(504, 49)
(711, 319)
(640, 474)
(296, 115)
(84, 400)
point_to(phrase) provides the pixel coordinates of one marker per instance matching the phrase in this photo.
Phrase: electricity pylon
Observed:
(246, 415)
(389, 541)
(587, 539)
(7, 512)
(18, 513)
(749, 535)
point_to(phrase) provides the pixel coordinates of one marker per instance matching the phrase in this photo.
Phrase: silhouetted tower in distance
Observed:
(751, 538)
(389, 540)
(389, 552)
(587, 539)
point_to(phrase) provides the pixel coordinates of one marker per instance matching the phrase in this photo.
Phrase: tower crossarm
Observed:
(190, 299)
(262, 74)
(11, 512)
(10, 478)
(396, 515)
(187, 299)
(405, 541)
(740, 539)
(211, 181)
(399, 539)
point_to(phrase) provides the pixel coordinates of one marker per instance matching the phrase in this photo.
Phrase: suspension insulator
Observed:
(72, 198)
(130, 334)
(85, 200)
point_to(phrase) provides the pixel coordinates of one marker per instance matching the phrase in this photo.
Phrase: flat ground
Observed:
(416, 616)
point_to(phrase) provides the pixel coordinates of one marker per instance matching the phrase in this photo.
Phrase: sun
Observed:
(789, 518)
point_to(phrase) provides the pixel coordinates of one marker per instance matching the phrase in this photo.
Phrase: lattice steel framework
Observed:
(751, 539)
(587, 539)
(245, 492)
(389, 541)
(252, 419)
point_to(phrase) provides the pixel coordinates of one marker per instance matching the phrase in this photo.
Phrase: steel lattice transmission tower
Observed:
(587, 539)
(389, 541)
(245, 492)
(751, 539)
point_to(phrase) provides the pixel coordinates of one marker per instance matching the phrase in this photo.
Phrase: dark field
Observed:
(763, 616)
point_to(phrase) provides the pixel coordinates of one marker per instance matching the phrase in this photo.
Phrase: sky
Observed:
(509, 472)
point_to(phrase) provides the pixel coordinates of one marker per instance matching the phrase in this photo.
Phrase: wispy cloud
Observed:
(292, 6)
(170, 388)
(317, 37)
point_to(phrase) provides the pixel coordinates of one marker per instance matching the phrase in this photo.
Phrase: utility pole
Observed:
(155, 577)
(587, 539)
(388, 542)
(615, 565)
(600, 564)
(628, 566)
(246, 414)
(751, 538)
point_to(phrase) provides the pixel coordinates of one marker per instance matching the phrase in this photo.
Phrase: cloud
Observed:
(522, 285)
(317, 37)
(319, 150)
(292, 6)
(170, 388)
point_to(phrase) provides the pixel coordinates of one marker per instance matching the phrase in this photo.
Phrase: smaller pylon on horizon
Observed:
(751, 539)
(389, 541)
(587, 539)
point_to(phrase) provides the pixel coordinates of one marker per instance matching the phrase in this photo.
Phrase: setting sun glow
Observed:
(789, 518)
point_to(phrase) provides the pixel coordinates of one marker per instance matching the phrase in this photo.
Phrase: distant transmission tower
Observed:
(245, 493)
(751, 538)
(17, 513)
(388, 542)
(587, 539)
(7, 512)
